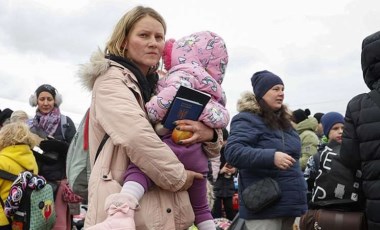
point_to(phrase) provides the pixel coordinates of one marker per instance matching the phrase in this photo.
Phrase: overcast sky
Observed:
(314, 46)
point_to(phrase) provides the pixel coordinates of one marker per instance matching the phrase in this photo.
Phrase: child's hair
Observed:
(16, 133)
(19, 115)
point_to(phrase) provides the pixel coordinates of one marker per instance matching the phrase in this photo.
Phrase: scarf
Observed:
(147, 83)
(47, 122)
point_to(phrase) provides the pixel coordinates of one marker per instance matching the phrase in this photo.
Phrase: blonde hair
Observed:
(19, 115)
(125, 25)
(16, 133)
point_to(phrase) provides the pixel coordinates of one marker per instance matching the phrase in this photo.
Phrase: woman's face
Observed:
(145, 43)
(45, 102)
(275, 97)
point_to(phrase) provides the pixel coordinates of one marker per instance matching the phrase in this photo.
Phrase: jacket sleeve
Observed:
(212, 149)
(119, 112)
(240, 150)
(350, 151)
(215, 115)
(309, 147)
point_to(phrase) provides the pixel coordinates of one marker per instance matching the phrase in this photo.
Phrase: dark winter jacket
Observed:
(361, 135)
(251, 147)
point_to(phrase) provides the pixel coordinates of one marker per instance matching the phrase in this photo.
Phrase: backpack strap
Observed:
(85, 130)
(64, 125)
(7, 175)
(104, 140)
(85, 136)
(375, 96)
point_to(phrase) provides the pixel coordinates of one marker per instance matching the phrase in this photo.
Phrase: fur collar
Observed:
(248, 103)
(89, 72)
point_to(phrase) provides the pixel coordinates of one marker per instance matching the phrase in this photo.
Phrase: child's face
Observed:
(336, 133)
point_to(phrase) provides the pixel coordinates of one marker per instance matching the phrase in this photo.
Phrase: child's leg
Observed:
(198, 197)
(120, 207)
(217, 209)
(136, 183)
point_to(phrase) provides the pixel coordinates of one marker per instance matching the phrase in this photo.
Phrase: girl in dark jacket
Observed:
(263, 143)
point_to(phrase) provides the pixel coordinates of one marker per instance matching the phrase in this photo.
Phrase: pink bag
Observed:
(69, 196)
(63, 221)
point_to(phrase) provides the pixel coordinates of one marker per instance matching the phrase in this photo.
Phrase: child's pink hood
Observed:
(204, 48)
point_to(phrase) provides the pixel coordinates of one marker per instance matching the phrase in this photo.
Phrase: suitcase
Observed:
(331, 219)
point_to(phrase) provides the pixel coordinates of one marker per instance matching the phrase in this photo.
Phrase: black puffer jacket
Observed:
(361, 136)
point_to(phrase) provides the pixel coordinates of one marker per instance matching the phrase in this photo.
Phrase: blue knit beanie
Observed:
(263, 81)
(329, 120)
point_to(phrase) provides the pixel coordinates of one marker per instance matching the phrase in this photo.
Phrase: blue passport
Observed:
(187, 104)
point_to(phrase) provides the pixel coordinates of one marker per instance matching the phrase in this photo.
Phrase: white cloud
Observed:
(314, 46)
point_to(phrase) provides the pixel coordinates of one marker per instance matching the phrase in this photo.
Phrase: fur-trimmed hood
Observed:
(89, 72)
(248, 103)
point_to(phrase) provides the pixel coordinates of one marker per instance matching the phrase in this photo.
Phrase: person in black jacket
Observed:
(361, 136)
(57, 131)
(224, 187)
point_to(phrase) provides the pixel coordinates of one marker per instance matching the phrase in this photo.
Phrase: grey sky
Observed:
(314, 46)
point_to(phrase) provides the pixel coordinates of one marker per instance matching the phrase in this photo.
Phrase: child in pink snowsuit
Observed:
(197, 61)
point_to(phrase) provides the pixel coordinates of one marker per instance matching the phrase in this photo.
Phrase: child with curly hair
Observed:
(16, 156)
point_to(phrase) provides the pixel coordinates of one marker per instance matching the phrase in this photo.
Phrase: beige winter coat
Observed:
(117, 109)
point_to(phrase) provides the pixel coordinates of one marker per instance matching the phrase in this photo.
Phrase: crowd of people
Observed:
(142, 179)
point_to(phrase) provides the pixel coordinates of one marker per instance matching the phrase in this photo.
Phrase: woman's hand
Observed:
(228, 169)
(201, 132)
(191, 176)
(283, 160)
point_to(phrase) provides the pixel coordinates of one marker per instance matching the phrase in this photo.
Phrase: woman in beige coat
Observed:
(122, 80)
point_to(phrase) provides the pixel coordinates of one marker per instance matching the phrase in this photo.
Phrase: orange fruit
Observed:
(178, 135)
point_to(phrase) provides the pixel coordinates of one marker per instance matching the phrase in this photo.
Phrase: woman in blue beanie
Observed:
(263, 143)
